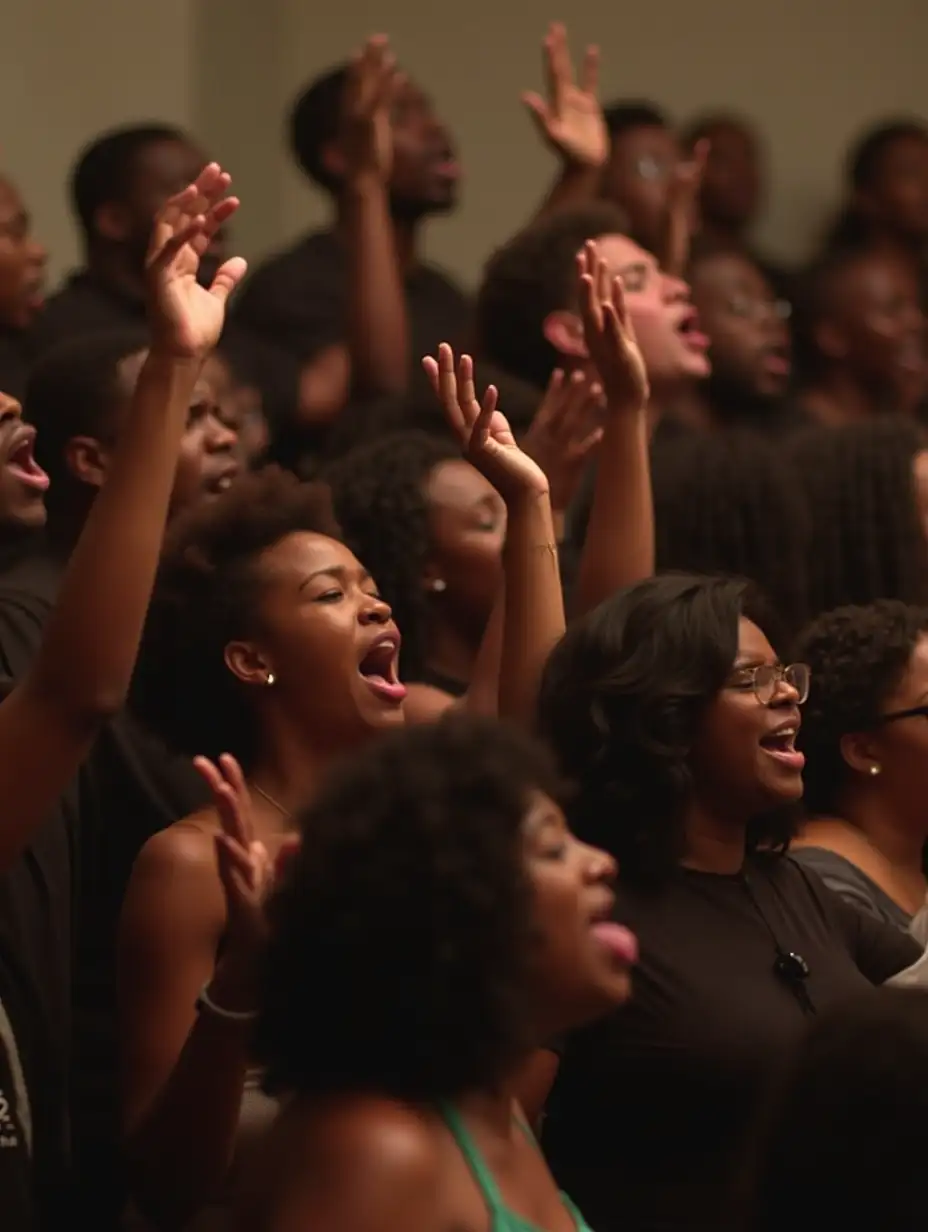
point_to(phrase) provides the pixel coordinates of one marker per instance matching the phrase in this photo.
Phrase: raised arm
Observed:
(533, 607)
(682, 221)
(81, 673)
(570, 121)
(619, 545)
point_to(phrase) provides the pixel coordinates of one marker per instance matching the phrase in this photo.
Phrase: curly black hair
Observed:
(205, 596)
(817, 290)
(863, 1064)
(401, 940)
(313, 124)
(857, 655)
(859, 488)
(378, 491)
(530, 277)
(621, 702)
(724, 503)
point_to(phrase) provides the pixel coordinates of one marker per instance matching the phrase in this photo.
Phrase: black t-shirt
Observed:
(86, 305)
(59, 907)
(651, 1105)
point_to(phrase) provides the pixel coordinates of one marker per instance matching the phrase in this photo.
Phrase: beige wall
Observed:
(810, 72)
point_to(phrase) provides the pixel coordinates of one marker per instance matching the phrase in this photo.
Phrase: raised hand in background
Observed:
(570, 119)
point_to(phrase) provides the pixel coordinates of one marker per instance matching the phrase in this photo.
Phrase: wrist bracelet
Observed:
(205, 1002)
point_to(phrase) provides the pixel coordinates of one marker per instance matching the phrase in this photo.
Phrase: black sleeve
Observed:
(301, 311)
(880, 950)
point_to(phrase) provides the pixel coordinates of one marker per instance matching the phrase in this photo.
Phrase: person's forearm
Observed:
(88, 652)
(482, 695)
(575, 185)
(179, 1152)
(378, 334)
(619, 545)
(534, 605)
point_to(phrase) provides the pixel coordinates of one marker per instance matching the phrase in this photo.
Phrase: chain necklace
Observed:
(270, 799)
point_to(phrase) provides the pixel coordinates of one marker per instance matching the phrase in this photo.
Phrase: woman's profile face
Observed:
(744, 759)
(327, 639)
(900, 748)
(583, 957)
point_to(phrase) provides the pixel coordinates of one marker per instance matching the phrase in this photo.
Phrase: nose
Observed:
(673, 288)
(601, 866)
(220, 438)
(38, 253)
(9, 407)
(375, 611)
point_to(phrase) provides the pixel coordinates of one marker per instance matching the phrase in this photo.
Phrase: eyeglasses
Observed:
(766, 678)
(649, 168)
(915, 712)
(749, 309)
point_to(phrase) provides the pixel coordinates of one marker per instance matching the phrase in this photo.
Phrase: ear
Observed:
(333, 159)
(246, 661)
(860, 751)
(88, 460)
(564, 331)
(111, 222)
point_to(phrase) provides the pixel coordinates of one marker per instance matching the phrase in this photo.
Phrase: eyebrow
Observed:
(743, 663)
(334, 571)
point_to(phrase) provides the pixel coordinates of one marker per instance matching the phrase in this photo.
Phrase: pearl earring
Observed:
(270, 679)
(874, 771)
(438, 585)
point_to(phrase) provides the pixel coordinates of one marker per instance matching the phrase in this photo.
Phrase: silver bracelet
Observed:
(205, 1002)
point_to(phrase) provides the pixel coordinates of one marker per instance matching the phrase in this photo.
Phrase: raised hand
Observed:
(185, 318)
(565, 432)
(683, 208)
(609, 334)
(570, 119)
(244, 865)
(483, 431)
(366, 138)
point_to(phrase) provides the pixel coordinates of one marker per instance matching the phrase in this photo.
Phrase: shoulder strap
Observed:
(468, 1148)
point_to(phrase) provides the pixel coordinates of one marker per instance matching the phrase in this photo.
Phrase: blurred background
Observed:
(810, 73)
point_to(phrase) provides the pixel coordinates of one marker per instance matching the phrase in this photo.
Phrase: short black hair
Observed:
(104, 169)
(401, 937)
(816, 292)
(622, 698)
(378, 490)
(859, 488)
(205, 596)
(844, 1129)
(626, 114)
(74, 390)
(530, 277)
(709, 121)
(314, 121)
(858, 656)
(863, 166)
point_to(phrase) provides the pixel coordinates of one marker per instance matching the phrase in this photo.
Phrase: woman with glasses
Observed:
(677, 722)
(865, 738)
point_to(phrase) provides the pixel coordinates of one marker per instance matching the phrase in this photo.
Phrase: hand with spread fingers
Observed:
(185, 318)
(244, 865)
(566, 432)
(366, 135)
(483, 431)
(570, 119)
(610, 335)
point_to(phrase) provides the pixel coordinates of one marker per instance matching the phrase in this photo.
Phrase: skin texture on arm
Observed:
(619, 546)
(184, 1072)
(570, 122)
(82, 671)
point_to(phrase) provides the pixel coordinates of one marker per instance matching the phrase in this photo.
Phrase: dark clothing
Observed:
(59, 908)
(298, 300)
(853, 885)
(15, 357)
(86, 305)
(652, 1105)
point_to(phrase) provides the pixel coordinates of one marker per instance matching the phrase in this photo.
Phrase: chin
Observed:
(696, 365)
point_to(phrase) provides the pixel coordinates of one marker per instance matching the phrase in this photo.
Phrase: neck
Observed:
(289, 768)
(837, 397)
(113, 269)
(687, 403)
(452, 651)
(901, 844)
(405, 236)
(712, 845)
(491, 1110)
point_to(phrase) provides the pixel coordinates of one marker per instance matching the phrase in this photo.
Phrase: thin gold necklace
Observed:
(270, 799)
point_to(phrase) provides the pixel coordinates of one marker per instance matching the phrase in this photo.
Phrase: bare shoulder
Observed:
(369, 1163)
(177, 872)
(424, 703)
(187, 847)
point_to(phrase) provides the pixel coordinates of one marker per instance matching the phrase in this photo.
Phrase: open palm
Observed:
(570, 119)
(609, 334)
(186, 318)
(483, 431)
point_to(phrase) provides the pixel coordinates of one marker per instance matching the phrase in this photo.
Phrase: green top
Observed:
(502, 1219)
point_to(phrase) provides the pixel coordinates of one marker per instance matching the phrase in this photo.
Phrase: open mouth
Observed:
(22, 464)
(689, 331)
(620, 941)
(378, 669)
(776, 361)
(781, 744)
(223, 481)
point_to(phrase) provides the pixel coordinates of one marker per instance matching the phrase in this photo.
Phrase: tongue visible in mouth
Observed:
(379, 671)
(24, 466)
